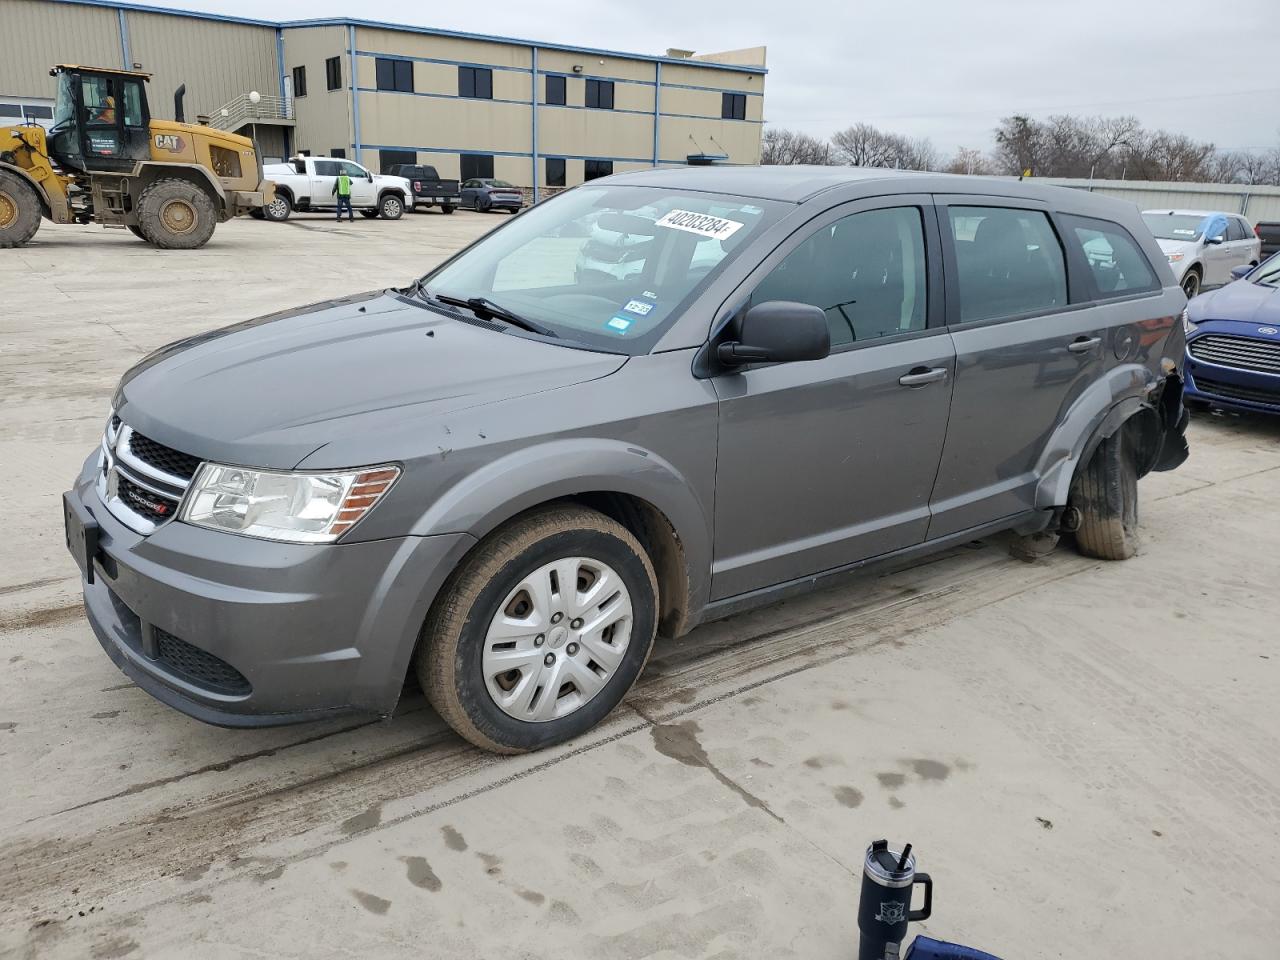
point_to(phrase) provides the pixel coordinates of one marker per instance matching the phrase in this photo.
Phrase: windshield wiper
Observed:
(485, 309)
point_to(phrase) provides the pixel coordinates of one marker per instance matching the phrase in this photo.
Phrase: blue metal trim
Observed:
(578, 106)
(498, 153)
(698, 116)
(407, 28)
(592, 76)
(657, 108)
(452, 63)
(690, 86)
(533, 110)
(443, 96)
(125, 53)
(355, 95)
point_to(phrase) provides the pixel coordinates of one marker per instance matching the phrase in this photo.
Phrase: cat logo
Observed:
(171, 142)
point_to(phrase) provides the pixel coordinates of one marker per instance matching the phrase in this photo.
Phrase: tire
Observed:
(256, 213)
(279, 209)
(176, 215)
(137, 232)
(369, 214)
(1191, 283)
(1031, 548)
(446, 208)
(19, 210)
(456, 659)
(1106, 494)
(483, 203)
(390, 207)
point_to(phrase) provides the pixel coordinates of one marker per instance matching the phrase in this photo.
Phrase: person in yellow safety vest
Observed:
(342, 190)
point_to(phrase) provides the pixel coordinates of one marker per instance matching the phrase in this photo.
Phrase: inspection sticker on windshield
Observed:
(638, 307)
(619, 323)
(703, 224)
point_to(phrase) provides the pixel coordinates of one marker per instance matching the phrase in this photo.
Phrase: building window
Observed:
(12, 110)
(555, 171)
(339, 152)
(389, 158)
(555, 91)
(598, 168)
(475, 82)
(333, 73)
(600, 94)
(299, 81)
(733, 106)
(475, 166)
(38, 113)
(394, 75)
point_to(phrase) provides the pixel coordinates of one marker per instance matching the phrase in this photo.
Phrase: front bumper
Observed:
(1230, 386)
(311, 630)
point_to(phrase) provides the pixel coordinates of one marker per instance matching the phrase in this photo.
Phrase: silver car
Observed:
(508, 477)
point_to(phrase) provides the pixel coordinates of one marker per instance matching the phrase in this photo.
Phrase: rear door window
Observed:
(1235, 230)
(1008, 262)
(1116, 262)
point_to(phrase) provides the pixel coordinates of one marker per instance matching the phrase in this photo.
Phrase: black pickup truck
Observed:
(1269, 234)
(428, 189)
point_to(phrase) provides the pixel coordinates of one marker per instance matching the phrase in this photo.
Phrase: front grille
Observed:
(198, 666)
(1231, 391)
(164, 458)
(143, 501)
(1241, 353)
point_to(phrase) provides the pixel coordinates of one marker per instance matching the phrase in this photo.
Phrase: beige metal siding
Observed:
(714, 77)
(594, 133)
(593, 65)
(1256, 203)
(324, 116)
(681, 137)
(472, 126)
(217, 61)
(402, 43)
(38, 34)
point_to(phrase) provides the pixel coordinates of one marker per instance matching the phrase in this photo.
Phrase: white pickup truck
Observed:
(306, 183)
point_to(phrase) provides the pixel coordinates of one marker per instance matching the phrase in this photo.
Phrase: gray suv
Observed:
(510, 476)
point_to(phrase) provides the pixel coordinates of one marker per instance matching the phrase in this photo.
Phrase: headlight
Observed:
(295, 507)
(1175, 257)
(1188, 325)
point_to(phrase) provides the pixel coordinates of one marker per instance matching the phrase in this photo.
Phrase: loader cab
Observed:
(101, 121)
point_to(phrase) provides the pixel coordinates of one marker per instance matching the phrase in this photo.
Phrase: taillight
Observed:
(417, 185)
(1257, 230)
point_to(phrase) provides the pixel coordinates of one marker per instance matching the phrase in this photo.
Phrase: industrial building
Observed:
(537, 114)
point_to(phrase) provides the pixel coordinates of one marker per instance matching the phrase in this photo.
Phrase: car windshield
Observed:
(1268, 272)
(609, 267)
(1175, 226)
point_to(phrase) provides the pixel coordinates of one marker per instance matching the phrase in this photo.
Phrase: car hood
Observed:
(270, 391)
(1177, 246)
(1242, 300)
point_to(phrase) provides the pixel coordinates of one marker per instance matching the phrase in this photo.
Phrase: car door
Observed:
(363, 190)
(1023, 353)
(1218, 255)
(824, 463)
(1243, 244)
(469, 192)
(322, 181)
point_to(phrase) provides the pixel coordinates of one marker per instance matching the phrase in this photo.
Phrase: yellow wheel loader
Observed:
(105, 160)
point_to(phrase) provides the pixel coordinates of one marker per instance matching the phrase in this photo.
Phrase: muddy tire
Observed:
(19, 210)
(1106, 494)
(176, 215)
(541, 630)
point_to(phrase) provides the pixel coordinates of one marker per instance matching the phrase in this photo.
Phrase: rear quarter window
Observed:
(1116, 263)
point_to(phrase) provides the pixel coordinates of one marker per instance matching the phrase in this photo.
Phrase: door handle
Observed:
(1083, 344)
(919, 376)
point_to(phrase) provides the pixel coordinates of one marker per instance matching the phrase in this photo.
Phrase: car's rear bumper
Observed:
(244, 632)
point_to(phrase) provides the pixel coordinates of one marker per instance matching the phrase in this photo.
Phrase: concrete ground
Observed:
(1086, 755)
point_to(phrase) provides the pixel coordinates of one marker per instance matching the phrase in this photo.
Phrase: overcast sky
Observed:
(938, 68)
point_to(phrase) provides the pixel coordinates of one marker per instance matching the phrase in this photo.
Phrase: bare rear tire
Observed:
(176, 215)
(19, 210)
(1106, 494)
(541, 631)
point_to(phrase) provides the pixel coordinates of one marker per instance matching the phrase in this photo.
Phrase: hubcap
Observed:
(8, 210)
(390, 207)
(537, 665)
(277, 207)
(178, 216)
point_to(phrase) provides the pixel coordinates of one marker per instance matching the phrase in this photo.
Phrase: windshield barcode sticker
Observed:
(703, 224)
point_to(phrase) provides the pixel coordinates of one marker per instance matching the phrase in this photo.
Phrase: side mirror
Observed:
(1215, 240)
(779, 331)
(368, 176)
(1242, 271)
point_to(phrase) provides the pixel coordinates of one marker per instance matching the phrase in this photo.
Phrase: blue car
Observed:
(1233, 342)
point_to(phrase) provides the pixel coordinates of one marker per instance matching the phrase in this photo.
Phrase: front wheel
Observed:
(19, 210)
(1105, 492)
(1191, 284)
(391, 208)
(176, 215)
(541, 631)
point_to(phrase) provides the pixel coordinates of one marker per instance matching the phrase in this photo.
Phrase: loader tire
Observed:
(19, 210)
(1105, 492)
(137, 232)
(176, 215)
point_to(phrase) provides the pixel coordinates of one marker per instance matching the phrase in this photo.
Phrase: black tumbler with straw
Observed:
(884, 908)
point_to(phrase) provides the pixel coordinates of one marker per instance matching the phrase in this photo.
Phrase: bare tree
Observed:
(863, 145)
(1019, 145)
(970, 161)
(1168, 156)
(779, 146)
